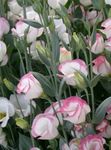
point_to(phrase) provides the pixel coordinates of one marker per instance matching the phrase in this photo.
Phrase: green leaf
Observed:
(101, 110)
(46, 84)
(33, 23)
(98, 4)
(24, 142)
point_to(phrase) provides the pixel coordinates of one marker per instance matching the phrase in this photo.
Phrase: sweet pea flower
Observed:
(30, 86)
(6, 111)
(104, 128)
(44, 127)
(74, 109)
(107, 28)
(98, 46)
(3, 138)
(4, 27)
(94, 142)
(56, 3)
(108, 2)
(86, 2)
(108, 44)
(22, 104)
(3, 54)
(70, 69)
(34, 148)
(32, 33)
(65, 55)
(101, 66)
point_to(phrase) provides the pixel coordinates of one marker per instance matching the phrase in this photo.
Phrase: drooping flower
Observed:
(92, 142)
(22, 104)
(44, 127)
(74, 109)
(104, 128)
(70, 71)
(30, 86)
(56, 3)
(101, 66)
(4, 27)
(6, 111)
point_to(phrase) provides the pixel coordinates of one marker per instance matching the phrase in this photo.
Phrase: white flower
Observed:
(22, 104)
(56, 3)
(3, 55)
(6, 111)
(108, 2)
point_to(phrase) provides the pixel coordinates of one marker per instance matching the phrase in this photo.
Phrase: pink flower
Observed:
(104, 128)
(4, 26)
(30, 86)
(108, 44)
(98, 46)
(34, 148)
(107, 27)
(92, 142)
(45, 127)
(32, 33)
(64, 55)
(71, 69)
(101, 66)
(74, 109)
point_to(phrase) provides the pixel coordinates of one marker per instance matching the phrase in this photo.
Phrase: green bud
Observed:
(23, 124)
(8, 84)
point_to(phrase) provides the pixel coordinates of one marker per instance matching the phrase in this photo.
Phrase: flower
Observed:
(98, 46)
(6, 111)
(56, 3)
(101, 66)
(15, 8)
(30, 86)
(32, 33)
(22, 104)
(4, 27)
(104, 128)
(92, 142)
(108, 44)
(3, 55)
(108, 2)
(107, 28)
(34, 148)
(3, 138)
(70, 71)
(73, 145)
(74, 109)
(65, 55)
(86, 2)
(45, 127)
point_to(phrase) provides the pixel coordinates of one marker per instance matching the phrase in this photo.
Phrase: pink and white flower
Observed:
(32, 33)
(4, 27)
(65, 55)
(74, 109)
(92, 142)
(73, 145)
(104, 128)
(30, 86)
(101, 66)
(44, 127)
(98, 46)
(69, 70)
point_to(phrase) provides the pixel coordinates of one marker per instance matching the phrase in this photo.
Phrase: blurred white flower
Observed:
(108, 2)
(6, 111)
(22, 104)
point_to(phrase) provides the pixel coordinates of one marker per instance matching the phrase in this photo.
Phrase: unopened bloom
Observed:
(98, 46)
(108, 44)
(104, 128)
(3, 54)
(32, 33)
(6, 111)
(30, 86)
(4, 27)
(45, 127)
(74, 109)
(101, 66)
(86, 2)
(56, 3)
(22, 104)
(94, 142)
(70, 71)
(65, 55)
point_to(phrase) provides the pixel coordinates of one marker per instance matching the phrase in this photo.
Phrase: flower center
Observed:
(2, 115)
